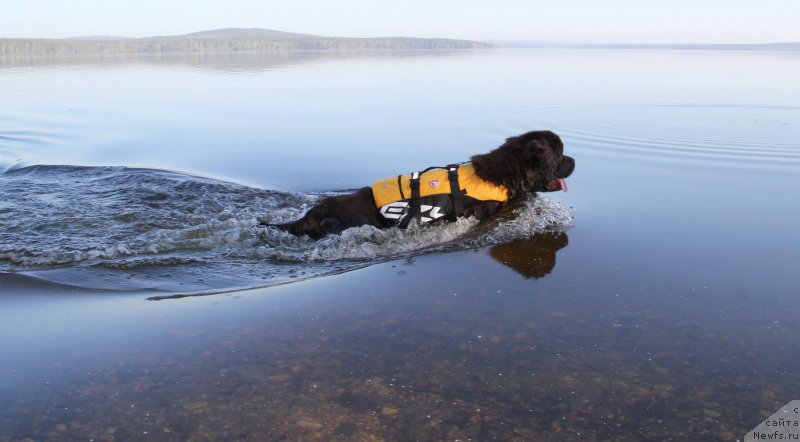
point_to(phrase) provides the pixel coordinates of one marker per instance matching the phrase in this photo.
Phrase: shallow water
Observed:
(655, 300)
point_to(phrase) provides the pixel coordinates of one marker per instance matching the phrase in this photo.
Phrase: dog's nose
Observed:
(566, 167)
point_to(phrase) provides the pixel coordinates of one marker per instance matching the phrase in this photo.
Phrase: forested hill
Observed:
(222, 40)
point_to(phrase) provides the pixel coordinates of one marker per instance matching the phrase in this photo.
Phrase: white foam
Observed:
(537, 214)
(158, 223)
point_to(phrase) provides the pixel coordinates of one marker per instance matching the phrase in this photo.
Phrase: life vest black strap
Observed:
(414, 205)
(400, 186)
(455, 191)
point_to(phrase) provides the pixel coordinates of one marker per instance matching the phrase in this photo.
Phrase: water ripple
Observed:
(766, 135)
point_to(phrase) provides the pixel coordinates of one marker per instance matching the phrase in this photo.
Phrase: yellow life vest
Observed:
(435, 182)
(392, 194)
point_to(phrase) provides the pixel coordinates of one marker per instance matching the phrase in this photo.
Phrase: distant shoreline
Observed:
(237, 40)
(74, 47)
(14, 49)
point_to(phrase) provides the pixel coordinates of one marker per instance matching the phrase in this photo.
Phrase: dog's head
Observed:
(531, 162)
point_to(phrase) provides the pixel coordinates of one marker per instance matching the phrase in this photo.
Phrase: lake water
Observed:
(657, 299)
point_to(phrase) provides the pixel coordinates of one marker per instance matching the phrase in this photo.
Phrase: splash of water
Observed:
(124, 228)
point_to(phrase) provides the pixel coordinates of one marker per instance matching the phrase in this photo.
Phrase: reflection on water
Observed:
(221, 62)
(533, 257)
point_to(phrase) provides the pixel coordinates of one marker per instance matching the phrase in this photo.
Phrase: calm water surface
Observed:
(655, 300)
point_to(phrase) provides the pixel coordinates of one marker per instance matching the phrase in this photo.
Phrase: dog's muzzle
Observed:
(565, 169)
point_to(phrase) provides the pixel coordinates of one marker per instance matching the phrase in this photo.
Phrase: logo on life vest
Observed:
(434, 184)
(394, 210)
(399, 209)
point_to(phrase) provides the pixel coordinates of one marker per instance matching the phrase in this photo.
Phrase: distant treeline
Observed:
(53, 47)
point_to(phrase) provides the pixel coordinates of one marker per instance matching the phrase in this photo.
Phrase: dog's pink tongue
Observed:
(557, 184)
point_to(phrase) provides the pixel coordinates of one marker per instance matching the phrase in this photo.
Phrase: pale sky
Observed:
(591, 21)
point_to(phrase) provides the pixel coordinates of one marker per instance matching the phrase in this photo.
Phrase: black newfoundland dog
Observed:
(529, 163)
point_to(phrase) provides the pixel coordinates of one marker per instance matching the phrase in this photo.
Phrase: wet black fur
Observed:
(523, 164)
